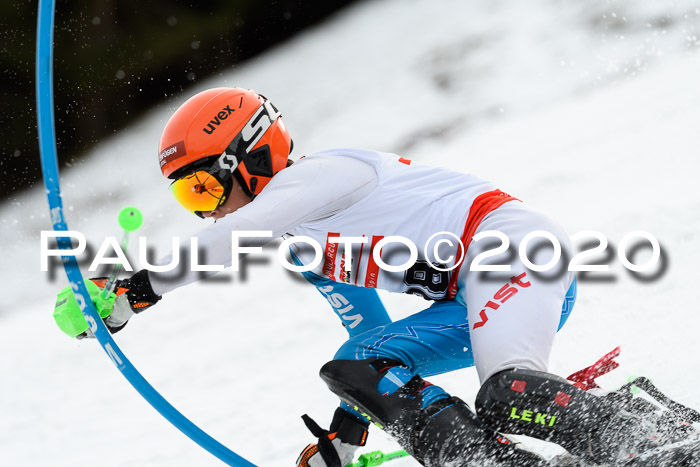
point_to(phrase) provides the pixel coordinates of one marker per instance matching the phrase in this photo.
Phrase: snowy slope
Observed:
(588, 112)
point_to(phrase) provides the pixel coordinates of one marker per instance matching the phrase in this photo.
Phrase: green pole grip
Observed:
(374, 458)
(130, 219)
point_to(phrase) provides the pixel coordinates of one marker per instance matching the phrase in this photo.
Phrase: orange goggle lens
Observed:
(200, 191)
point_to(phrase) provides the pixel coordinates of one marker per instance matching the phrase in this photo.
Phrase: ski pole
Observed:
(374, 458)
(130, 219)
(68, 316)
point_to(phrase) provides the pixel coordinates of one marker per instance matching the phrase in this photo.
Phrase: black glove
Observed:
(134, 295)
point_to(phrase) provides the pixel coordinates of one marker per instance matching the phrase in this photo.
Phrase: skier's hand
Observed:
(336, 446)
(130, 296)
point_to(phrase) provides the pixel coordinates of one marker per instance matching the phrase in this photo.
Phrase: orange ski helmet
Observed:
(225, 131)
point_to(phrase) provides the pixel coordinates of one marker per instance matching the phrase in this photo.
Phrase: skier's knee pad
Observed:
(429, 432)
(541, 405)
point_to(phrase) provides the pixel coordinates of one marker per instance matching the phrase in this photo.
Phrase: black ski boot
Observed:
(444, 433)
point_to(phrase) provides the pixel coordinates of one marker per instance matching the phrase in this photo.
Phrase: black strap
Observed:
(349, 428)
(325, 447)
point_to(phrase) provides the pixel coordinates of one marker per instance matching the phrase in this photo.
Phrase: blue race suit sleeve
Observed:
(359, 309)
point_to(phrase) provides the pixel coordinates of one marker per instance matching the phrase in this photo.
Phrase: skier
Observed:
(226, 151)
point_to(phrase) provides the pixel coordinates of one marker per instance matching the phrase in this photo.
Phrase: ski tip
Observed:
(130, 218)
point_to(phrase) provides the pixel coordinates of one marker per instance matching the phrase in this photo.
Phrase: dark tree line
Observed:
(113, 59)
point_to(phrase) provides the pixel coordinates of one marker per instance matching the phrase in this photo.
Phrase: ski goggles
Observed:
(200, 191)
(206, 184)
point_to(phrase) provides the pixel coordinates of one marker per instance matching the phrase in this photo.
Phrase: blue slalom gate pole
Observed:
(49, 164)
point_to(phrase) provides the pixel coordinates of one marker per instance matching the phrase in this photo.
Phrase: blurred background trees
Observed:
(114, 59)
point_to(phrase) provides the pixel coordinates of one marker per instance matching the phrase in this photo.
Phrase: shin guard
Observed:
(544, 406)
(444, 432)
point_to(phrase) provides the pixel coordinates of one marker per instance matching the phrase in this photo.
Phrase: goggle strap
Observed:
(228, 161)
(236, 153)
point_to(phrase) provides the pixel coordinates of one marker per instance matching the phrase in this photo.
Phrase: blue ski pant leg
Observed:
(434, 341)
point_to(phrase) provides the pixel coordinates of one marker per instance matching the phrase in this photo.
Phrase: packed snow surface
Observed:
(588, 111)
